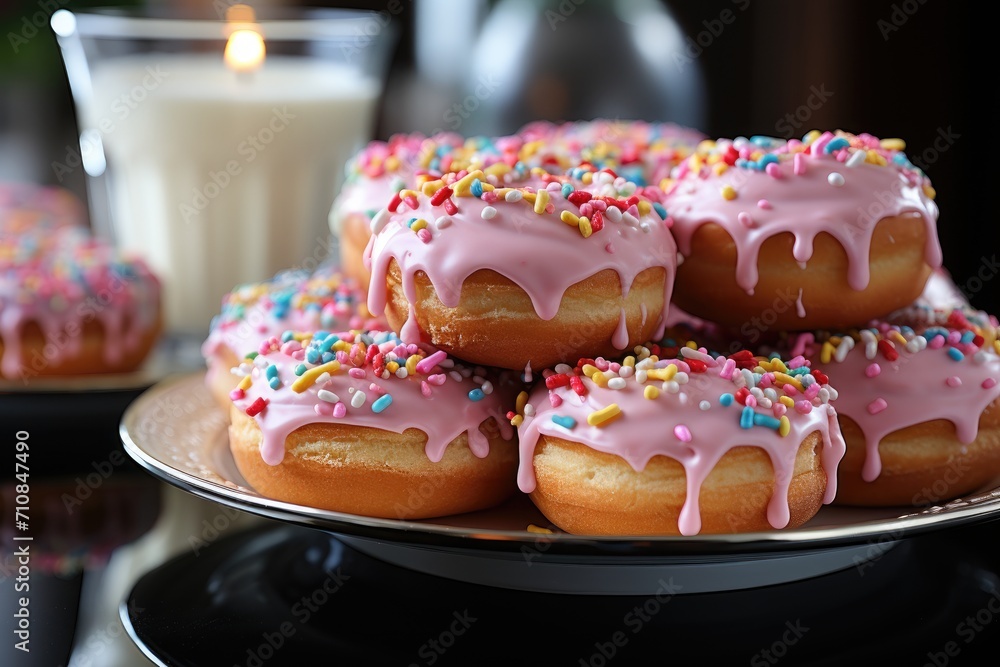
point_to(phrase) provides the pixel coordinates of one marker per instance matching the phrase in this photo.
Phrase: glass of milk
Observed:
(215, 146)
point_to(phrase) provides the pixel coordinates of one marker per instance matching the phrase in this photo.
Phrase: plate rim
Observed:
(952, 514)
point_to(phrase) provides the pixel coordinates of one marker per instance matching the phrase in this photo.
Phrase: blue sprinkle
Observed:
(726, 400)
(287, 336)
(272, 371)
(567, 190)
(761, 140)
(968, 337)
(313, 355)
(765, 420)
(660, 210)
(328, 342)
(564, 421)
(409, 223)
(381, 403)
(280, 311)
(328, 357)
(477, 188)
(767, 159)
(742, 163)
(476, 395)
(274, 382)
(901, 159)
(320, 335)
(836, 145)
(746, 417)
(955, 354)
(300, 369)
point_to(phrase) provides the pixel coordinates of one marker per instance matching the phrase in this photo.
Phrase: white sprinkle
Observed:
(260, 361)
(489, 213)
(358, 399)
(563, 368)
(616, 383)
(478, 379)
(442, 222)
(513, 195)
(980, 357)
(846, 345)
(704, 405)
(379, 220)
(455, 375)
(630, 219)
(603, 177)
(681, 377)
(748, 378)
(328, 396)
(836, 179)
(857, 158)
(447, 363)
(671, 387)
(626, 371)
(401, 372)
(640, 375)
(487, 387)
(771, 394)
(529, 410)
(613, 214)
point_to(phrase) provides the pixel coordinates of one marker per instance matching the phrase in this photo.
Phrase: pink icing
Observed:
(677, 426)
(802, 201)
(539, 253)
(917, 387)
(443, 411)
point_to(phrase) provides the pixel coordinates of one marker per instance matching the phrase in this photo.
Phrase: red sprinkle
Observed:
(411, 201)
(449, 207)
(257, 406)
(553, 381)
(696, 365)
(820, 376)
(395, 202)
(441, 195)
(579, 197)
(741, 395)
(597, 221)
(744, 359)
(887, 349)
(576, 384)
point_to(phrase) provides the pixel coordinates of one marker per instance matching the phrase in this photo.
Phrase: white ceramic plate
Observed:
(176, 431)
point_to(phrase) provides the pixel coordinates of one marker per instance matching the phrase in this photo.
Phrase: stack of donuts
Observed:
(647, 331)
(69, 303)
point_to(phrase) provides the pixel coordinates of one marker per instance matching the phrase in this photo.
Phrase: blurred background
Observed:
(727, 67)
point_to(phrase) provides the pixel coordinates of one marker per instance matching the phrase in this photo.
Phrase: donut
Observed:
(505, 268)
(679, 441)
(641, 152)
(30, 209)
(71, 304)
(293, 299)
(364, 424)
(919, 405)
(941, 292)
(373, 176)
(828, 232)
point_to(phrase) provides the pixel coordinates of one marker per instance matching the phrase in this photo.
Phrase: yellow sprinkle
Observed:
(516, 420)
(430, 187)
(666, 184)
(587, 178)
(538, 171)
(487, 187)
(604, 415)
(585, 227)
(650, 392)
(787, 401)
(774, 365)
(713, 159)
(497, 169)
(811, 136)
(463, 186)
(782, 378)
(392, 163)
(302, 335)
(599, 379)
(784, 427)
(996, 346)
(663, 374)
(411, 363)
(528, 196)
(653, 358)
(728, 193)
(341, 345)
(532, 528)
(570, 218)
(756, 155)
(695, 164)
(719, 168)
(705, 146)
(530, 149)
(893, 144)
(589, 370)
(826, 353)
(408, 193)
(418, 224)
(930, 192)
(541, 201)
(691, 344)
(307, 379)
(629, 361)
(874, 158)
(898, 337)
(644, 207)
(245, 382)
(392, 366)
(522, 400)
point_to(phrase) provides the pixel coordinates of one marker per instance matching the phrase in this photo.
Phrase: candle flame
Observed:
(245, 48)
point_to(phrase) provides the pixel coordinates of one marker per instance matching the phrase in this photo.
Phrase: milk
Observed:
(218, 178)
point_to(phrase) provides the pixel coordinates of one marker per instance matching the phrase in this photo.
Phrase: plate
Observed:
(176, 431)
